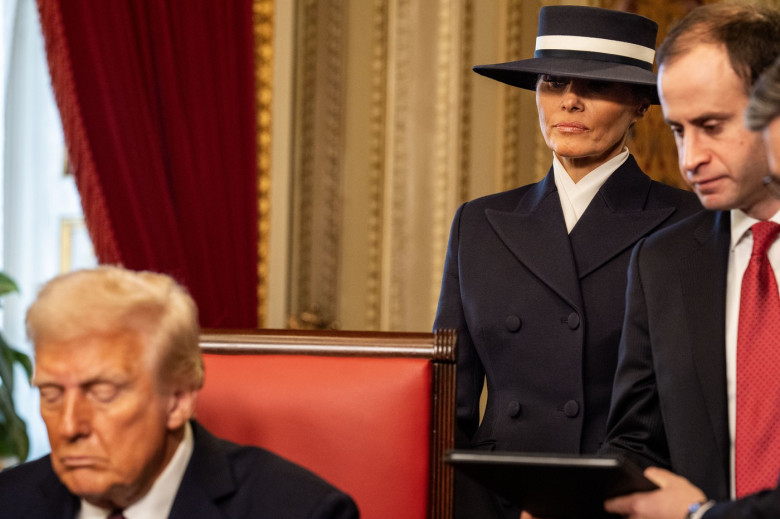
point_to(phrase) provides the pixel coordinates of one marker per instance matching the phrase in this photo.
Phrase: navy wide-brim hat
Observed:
(585, 42)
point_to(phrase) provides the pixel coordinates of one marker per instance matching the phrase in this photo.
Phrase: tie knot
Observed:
(764, 234)
(116, 514)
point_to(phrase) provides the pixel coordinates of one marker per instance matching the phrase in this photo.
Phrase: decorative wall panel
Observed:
(317, 171)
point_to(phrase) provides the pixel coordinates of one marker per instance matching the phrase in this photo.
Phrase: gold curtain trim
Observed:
(262, 20)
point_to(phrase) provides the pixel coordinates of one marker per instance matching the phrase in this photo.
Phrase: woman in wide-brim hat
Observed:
(535, 277)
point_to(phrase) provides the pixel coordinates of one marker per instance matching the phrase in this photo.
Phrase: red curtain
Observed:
(157, 104)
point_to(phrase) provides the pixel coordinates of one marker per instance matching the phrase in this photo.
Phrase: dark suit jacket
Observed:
(670, 406)
(223, 480)
(539, 311)
(676, 416)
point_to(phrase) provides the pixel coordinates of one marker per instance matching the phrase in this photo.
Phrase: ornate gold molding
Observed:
(303, 197)
(401, 80)
(465, 83)
(452, 150)
(512, 164)
(328, 279)
(262, 20)
(445, 114)
(378, 116)
(318, 154)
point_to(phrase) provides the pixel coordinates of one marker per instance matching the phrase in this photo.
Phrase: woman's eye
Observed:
(554, 82)
(599, 86)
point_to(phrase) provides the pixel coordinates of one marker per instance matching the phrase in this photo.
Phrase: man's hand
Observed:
(671, 501)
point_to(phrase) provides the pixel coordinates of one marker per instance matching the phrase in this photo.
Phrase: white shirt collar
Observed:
(157, 503)
(576, 197)
(741, 224)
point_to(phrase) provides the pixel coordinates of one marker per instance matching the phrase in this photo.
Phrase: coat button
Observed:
(513, 323)
(571, 408)
(513, 409)
(573, 321)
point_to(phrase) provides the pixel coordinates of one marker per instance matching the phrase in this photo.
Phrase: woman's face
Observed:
(586, 122)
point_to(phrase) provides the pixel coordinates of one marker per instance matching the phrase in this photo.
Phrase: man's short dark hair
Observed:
(750, 33)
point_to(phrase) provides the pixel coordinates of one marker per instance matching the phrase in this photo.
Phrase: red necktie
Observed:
(757, 449)
(116, 514)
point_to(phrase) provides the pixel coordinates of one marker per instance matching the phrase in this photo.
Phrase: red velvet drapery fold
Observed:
(157, 103)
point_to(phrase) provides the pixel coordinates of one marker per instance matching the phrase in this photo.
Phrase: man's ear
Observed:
(181, 407)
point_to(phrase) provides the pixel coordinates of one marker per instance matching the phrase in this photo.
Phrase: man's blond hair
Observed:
(107, 301)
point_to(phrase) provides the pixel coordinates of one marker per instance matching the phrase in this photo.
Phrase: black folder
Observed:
(553, 486)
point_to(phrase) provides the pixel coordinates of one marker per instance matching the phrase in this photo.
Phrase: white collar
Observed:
(576, 197)
(741, 224)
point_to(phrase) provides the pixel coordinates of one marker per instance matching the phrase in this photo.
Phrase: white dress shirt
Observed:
(157, 503)
(739, 257)
(576, 196)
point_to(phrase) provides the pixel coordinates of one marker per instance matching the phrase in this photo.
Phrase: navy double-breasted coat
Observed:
(539, 311)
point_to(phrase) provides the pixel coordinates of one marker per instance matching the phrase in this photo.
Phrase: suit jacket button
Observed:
(513, 323)
(513, 409)
(571, 408)
(573, 321)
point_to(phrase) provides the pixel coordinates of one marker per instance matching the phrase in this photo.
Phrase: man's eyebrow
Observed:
(99, 379)
(716, 116)
(38, 380)
(704, 118)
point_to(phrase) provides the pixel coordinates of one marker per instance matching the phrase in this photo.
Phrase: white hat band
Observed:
(599, 45)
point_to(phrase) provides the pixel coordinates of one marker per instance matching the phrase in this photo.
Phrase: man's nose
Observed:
(693, 154)
(76, 416)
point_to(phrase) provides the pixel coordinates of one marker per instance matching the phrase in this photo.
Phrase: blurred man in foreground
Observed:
(118, 366)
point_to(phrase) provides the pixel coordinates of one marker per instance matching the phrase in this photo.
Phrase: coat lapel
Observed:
(208, 479)
(536, 234)
(613, 222)
(616, 218)
(703, 282)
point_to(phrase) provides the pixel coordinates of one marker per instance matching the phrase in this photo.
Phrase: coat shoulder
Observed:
(24, 475)
(282, 488)
(501, 201)
(32, 490)
(661, 194)
(698, 223)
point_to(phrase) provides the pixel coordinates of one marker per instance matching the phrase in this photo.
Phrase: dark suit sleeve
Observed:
(763, 505)
(635, 425)
(335, 505)
(450, 314)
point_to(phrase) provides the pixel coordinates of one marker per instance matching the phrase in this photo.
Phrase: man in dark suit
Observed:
(118, 367)
(677, 396)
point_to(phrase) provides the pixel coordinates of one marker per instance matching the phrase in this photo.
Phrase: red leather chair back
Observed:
(362, 422)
